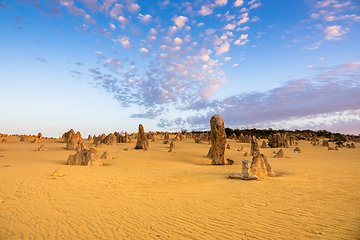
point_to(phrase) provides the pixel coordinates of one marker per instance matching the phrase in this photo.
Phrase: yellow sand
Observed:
(155, 194)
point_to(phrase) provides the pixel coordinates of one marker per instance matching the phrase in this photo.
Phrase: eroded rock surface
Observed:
(218, 140)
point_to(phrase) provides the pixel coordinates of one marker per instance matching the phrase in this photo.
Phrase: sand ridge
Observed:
(156, 194)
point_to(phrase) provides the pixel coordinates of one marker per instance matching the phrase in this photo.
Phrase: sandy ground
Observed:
(155, 194)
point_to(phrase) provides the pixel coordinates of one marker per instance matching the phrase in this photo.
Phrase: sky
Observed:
(103, 66)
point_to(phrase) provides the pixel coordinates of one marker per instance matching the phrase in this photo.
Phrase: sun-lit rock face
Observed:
(110, 139)
(85, 157)
(218, 140)
(261, 167)
(141, 142)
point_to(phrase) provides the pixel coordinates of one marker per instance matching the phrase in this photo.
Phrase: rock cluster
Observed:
(277, 141)
(85, 157)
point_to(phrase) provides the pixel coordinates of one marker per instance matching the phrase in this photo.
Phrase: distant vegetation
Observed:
(300, 134)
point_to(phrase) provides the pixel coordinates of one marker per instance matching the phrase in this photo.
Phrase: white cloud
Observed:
(165, 3)
(210, 31)
(112, 26)
(124, 40)
(227, 59)
(205, 10)
(242, 40)
(243, 28)
(221, 2)
(180, 21)
(172, 30)
(116, 10)
(235, 65)
(229, 27)
(254, 4)
(144, 18)
(244, 18)
(228, 33)
(133, 7)
(204, 54)
(153, 31)
(255, 19)
(238, 3)
(144, 51)
(89, 20)
(200, 24)
(334, 33)
(178, 41)
(112, 62)
(223, 48)
(123, 20)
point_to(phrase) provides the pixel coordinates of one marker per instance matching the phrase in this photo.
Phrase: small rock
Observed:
(229, 161)
(106, 155)
(297, 149)
(57, 174)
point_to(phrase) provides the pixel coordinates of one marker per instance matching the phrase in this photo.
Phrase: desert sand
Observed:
(156, 194)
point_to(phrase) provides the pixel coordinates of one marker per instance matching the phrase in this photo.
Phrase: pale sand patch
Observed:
(155, 194)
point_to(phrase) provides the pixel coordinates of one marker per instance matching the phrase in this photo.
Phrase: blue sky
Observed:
(103, 66)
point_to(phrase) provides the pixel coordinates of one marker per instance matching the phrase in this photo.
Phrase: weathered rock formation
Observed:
(41, 148)
(280, 154)
(245, 174)
(242, 138)
(210, 153)
(172, 146)
(260, 167)
(254, 150)
(142, 142)
(263, 145)
(110, 139)
(297, 150)
(106, 155)
(85, 157)
(228, 146)
(218, 140)
(277, 141)
(166, 138)
(24, 138)
(71, 143)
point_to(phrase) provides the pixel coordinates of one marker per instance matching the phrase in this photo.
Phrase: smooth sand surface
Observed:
(155, 194)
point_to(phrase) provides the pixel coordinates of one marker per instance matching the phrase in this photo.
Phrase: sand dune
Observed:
(155, 194)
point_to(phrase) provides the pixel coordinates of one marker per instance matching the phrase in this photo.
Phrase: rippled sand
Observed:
(155, 194)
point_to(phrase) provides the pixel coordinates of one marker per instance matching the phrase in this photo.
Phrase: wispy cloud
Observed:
(327, 99)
